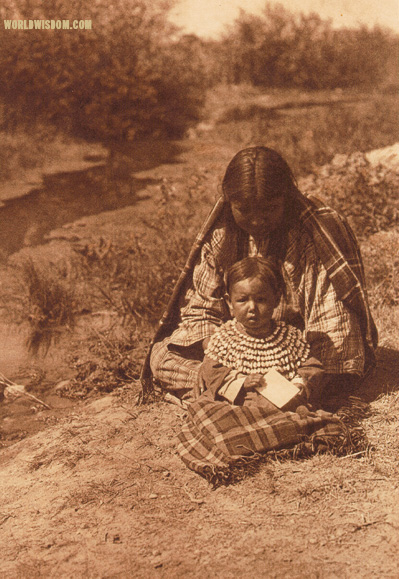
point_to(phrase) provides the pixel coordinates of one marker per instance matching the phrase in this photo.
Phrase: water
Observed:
(68, 196)
(25, 221)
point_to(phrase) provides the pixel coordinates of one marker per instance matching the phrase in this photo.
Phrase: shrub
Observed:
(123, 79)
(367, 195)
(22, 151)
(280, 48)
(135, 275)
(106, 364)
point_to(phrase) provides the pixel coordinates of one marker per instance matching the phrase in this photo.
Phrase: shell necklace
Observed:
(284, 349)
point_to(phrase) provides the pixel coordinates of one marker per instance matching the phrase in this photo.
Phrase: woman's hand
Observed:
(254, 381)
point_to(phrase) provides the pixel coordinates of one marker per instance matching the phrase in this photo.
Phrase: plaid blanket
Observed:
(223, 442)
(339, 251)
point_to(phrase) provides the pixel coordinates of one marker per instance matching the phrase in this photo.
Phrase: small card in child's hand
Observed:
(278, 390)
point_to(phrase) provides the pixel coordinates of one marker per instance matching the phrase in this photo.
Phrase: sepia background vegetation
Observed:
(134, 76)
(139, 88)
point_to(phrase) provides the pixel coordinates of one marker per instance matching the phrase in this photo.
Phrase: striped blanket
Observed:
(224, 443)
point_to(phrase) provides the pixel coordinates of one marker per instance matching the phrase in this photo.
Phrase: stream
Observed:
(67, 196)
(62, 197)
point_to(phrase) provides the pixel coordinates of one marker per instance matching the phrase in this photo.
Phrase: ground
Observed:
(103, 494)
(95, 488)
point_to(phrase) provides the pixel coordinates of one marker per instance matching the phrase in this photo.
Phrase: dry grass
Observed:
(134, 275)
(112, 359)
(382, 268)
(50, 301)
(382, 428)
(309, 135)
(67, 451)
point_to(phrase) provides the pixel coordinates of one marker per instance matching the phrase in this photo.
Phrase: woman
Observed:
(262, 212)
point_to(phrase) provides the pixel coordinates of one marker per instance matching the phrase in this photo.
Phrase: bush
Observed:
(22, 151)
(367, 195)
(107, 363)
(286, 49)
(123, 79)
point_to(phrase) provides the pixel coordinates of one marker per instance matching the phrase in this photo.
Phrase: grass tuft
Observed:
(49, 301)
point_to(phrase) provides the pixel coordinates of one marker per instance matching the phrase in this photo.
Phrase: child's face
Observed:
(251, 302)
(258, 216)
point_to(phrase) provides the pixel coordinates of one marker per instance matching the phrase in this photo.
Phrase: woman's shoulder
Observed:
(318, 218)
(222, 243)
(216, 234)
(330, 218)
(299, 243)
(313, 215)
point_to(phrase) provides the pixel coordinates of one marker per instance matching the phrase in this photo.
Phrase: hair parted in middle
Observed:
(265, 269)
(257, 171)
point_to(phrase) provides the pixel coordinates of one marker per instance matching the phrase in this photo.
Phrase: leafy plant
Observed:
(367, 195)
(107, 364)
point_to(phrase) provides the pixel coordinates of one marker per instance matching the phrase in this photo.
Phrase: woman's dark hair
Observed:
(257, 171)
(265, 269)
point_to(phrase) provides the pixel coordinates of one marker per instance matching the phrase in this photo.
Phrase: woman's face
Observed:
(259, 216)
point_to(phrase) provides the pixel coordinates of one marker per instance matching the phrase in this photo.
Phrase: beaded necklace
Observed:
(284, 349)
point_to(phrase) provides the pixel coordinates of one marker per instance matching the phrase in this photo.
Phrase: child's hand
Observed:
(304, 390)
(205, 343)
(253, 381)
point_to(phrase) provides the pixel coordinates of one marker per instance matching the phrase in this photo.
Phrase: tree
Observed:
(122, 79)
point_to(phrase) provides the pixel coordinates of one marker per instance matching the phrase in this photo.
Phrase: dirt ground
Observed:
(95, 488)
(102, 493)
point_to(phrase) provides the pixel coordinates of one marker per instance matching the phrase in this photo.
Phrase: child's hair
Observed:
(265, 269)
(257, 171)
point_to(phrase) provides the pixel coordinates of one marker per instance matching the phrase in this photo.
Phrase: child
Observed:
(244, 349)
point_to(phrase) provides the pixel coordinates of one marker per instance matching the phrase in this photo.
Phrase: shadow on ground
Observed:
(68, 196)
(385, 377)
